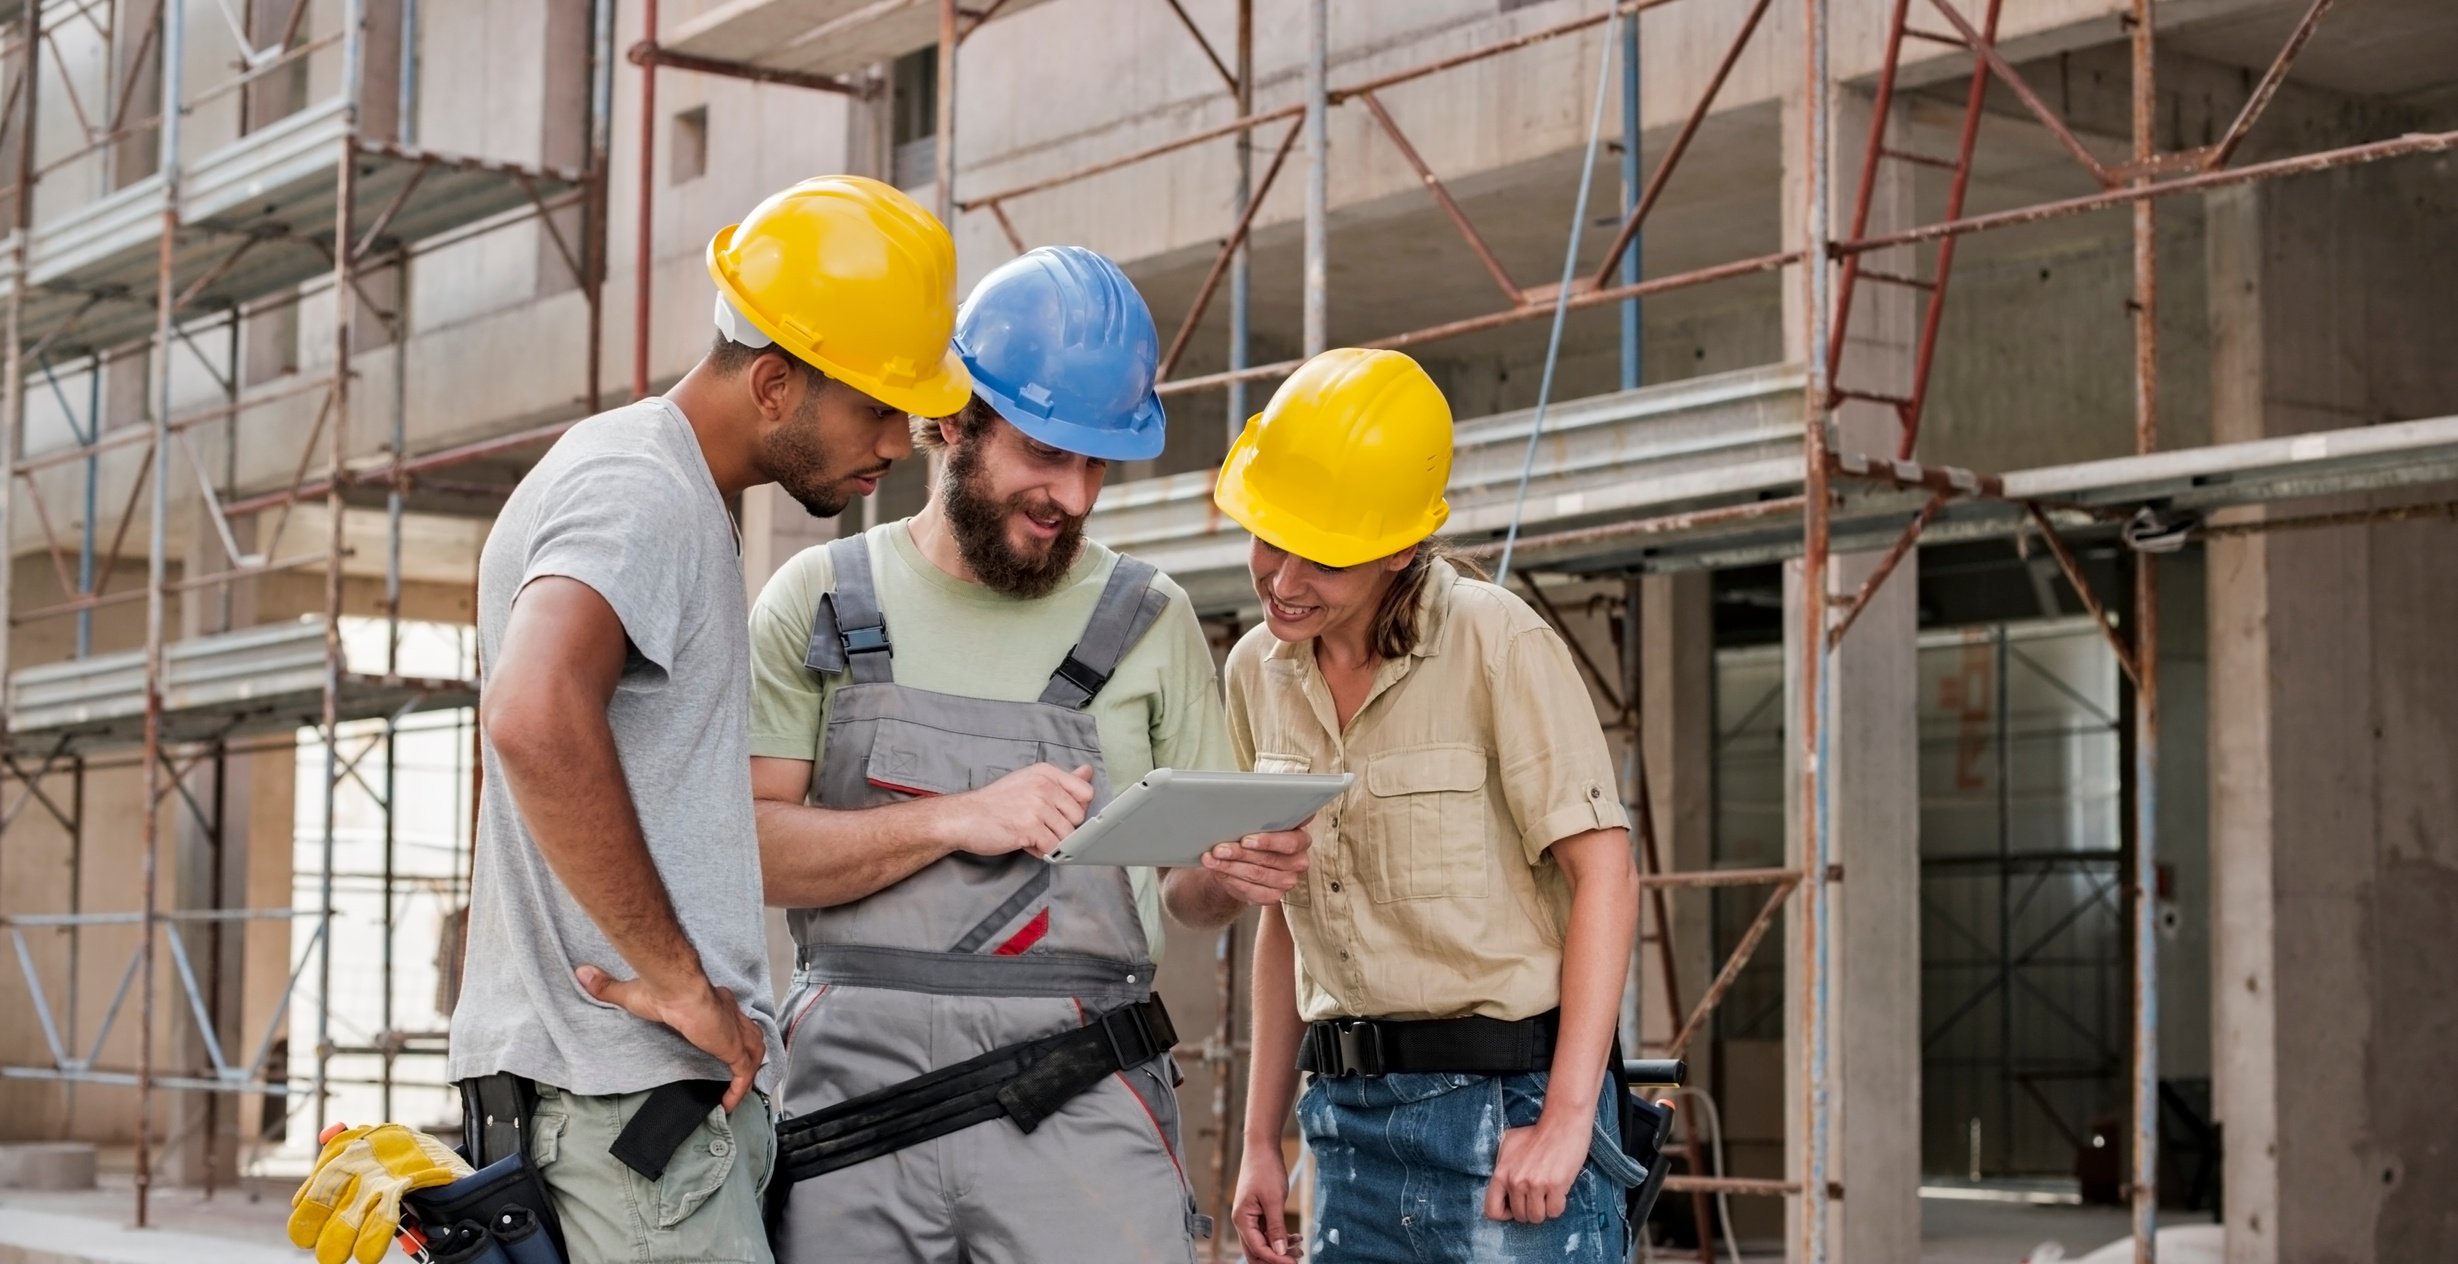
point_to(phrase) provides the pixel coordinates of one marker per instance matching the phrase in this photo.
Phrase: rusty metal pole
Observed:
(645, 254)
(1813, 700)
(157, 580)
(13, 394)
(943, 149)
(1223, 1060)
(601, 128)
(1241, 267)
(345, 316)
(2144, 880)
(1317, 332)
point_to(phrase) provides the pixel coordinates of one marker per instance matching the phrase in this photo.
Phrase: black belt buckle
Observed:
(1142, 1031)
(1357, 1047)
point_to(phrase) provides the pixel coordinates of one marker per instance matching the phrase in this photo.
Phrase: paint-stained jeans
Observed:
(1402, 1162)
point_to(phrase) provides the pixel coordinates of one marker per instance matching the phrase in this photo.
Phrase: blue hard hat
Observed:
(1059, 342)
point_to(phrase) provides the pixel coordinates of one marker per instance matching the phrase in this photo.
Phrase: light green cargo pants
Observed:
(704, 1210)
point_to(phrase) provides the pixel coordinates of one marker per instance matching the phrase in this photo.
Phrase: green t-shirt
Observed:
(1161, 708)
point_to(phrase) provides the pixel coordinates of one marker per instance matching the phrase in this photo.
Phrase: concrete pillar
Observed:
(1872, 771)
(1677, 731)
(2334, 818)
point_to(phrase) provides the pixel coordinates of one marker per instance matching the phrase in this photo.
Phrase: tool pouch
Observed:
(1646, 1127)
(501, 1214)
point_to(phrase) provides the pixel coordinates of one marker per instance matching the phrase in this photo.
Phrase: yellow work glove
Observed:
(350, 1207)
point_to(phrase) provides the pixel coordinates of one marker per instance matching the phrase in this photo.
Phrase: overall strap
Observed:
(848, 632)
(1130, 604)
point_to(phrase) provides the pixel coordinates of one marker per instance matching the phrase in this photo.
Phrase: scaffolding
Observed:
(309, 200)
(1704, 473)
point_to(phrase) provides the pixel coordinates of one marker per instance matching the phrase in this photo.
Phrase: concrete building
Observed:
(2003, 827)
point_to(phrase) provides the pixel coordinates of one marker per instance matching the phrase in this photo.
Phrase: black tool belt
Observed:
(1025, 1082)
(502, 1214)
(1461, 1046)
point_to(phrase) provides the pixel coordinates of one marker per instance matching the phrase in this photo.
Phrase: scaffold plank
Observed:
(256, 219)
(1707, 473)
(249, 681)
(826, 37)
(1709, 441)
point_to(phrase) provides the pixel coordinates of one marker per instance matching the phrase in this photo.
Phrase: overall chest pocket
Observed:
(918, 759)
(1425, 823)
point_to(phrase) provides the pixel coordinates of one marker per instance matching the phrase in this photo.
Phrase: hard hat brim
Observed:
(1144, 438)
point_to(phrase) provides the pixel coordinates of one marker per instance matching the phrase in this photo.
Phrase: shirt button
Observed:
(720, 1147)
(1595, 792)
(1335, 886)
(1344, 954)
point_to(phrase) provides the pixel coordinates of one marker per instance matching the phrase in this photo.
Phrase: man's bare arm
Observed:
(819, 857)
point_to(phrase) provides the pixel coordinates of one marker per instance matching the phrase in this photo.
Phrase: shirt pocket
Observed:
(1424, 824)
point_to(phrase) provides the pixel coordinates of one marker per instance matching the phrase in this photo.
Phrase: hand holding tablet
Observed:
(1173, 816)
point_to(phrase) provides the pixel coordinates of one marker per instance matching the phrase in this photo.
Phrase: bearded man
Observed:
(976, 1066)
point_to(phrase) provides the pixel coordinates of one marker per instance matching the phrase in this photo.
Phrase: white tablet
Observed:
(1173, 816)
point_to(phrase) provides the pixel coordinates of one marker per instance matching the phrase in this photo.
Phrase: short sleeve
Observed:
(788, 699)
(1188, 730)
(1557, 773)
(594, 527)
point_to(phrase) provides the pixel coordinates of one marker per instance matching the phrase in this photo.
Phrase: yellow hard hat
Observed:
(855, 279)
(1347, 463)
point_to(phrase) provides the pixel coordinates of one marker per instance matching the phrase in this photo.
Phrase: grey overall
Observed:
(970, 954)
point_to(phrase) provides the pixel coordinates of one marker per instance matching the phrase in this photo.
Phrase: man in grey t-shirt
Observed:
(616, 939)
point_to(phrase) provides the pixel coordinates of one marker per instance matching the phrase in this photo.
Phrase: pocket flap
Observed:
(1425, 769)
(917, 759)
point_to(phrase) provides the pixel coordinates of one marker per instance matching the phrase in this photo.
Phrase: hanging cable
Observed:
(1561, 295)
(1715, 1146)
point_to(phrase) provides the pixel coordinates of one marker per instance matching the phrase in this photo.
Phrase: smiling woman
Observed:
(1450, 966)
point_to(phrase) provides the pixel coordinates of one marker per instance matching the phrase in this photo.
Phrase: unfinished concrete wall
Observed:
(2331, 797)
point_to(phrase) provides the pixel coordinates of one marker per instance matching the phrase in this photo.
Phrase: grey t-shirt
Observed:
(623, 503)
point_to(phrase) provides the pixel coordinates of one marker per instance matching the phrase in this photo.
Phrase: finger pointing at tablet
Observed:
(1031, 809)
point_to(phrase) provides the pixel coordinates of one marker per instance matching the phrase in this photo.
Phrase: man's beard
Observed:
(979, 524)
(794, 459)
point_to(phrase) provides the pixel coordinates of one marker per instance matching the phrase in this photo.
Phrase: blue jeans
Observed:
(1402, 1162)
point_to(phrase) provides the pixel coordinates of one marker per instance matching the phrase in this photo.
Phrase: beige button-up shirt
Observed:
(1430, 893)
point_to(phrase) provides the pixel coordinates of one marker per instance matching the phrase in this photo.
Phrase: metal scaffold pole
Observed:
(1318, 156)
(943, 150)
(2144, 1193)
(157, 595)
(13, 392)
(1634, 309)
(345, 317)
(594, 203)
(645, 258)
(1815, 687)
(1241, 266)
